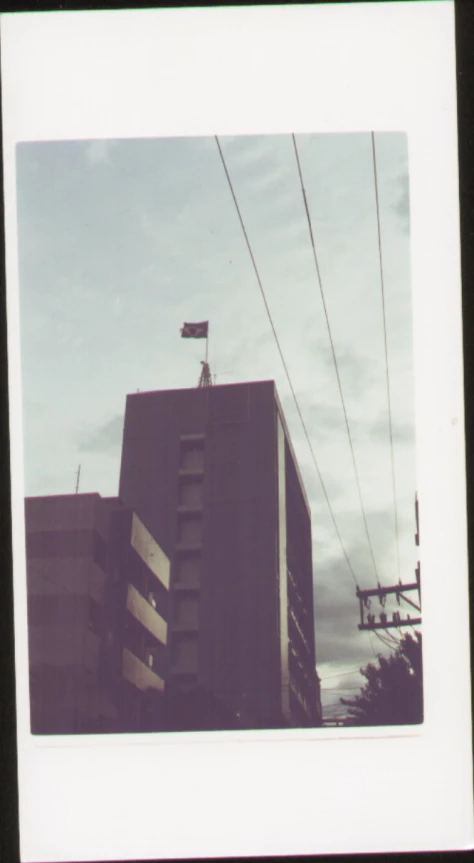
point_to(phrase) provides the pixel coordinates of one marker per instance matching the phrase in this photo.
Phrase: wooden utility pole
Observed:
(78, 478)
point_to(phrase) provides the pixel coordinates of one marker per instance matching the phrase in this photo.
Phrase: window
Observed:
(186, 611)
(192, 455)
(185, 654)
(190, 493)
(189, 531)
(188, 571)
(149, 659)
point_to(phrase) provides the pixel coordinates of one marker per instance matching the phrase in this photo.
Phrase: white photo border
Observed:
(264, 70)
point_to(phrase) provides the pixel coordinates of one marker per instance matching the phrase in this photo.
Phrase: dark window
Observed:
(192, 455)
(189, 531)
(186, 610)
(184, 654)
(190, 493)
(188, 570)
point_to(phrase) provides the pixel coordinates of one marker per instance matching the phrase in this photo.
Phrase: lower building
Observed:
(98, 587)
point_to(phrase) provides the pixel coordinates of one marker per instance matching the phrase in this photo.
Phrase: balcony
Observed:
(297, 626)
(138, 674)
(150, 552)
(146, 614)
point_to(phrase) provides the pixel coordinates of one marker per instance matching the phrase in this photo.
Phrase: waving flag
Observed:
(195, 331)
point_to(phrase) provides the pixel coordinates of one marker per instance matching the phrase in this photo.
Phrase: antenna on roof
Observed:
(78, 478)
(205, 379)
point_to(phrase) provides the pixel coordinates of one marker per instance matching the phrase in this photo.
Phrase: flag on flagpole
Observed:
(195, 331)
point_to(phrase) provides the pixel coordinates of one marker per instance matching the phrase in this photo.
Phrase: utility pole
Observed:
(364, 597)
(78, 478)
(381, 593)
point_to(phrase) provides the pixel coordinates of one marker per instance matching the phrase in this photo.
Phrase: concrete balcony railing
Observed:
(138, 674)
(142, 611)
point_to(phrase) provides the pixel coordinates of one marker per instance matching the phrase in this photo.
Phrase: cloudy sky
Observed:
(122, 241)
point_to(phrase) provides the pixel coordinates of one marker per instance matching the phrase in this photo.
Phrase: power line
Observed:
(386, 351)
(337, 691)
(335, 359)
(389, 644)
(389, 635)
(344, 674)
(371, 643)
(337, 700)
(284, 363)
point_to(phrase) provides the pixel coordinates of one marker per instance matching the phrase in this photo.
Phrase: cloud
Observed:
(99, 151)
(402, 433)
(325, 421)
(402, 207)
(355, 370)
(106, 438)
(336, 607)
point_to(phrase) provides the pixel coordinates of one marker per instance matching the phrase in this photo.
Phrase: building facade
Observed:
(212, 475)
(98, 597)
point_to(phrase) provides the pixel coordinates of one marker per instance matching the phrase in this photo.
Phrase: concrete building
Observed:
(212, 474)
(98, 588)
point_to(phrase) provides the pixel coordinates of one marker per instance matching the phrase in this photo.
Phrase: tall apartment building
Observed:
(98, 590)
(212, 474)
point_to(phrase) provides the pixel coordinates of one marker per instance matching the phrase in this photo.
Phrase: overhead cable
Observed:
(284, 364)
(387, 372)
(326, 315)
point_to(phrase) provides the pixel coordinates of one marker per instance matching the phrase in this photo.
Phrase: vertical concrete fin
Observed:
(283, 572)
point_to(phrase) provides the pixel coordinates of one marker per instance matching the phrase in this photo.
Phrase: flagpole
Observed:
(207, 343)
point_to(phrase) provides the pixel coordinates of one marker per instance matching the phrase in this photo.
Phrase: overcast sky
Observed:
(120, 242)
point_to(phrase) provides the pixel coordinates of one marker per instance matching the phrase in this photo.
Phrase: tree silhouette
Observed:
(393, 694)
